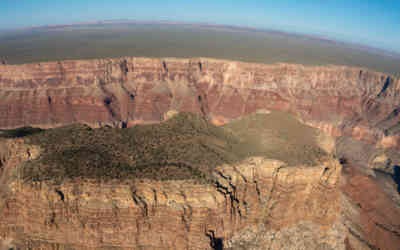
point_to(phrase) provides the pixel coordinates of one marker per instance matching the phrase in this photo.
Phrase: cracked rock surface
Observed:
(347, 200)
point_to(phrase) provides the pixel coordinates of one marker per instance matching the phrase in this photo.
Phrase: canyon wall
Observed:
(255, 204)
(126, 91)
(256, 195)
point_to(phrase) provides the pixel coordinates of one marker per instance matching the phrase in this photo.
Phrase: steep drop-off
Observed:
(138, 90)
(254, 203)
(265, 197)
(341, 101)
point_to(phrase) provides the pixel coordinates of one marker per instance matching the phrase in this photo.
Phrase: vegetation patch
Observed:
(277, 135)
(19, 132)
(185, 147)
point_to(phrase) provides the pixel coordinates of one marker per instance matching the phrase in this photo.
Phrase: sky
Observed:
(371, 22)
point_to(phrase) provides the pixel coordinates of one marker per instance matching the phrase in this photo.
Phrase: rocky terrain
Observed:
(127, 91)
(347, 199)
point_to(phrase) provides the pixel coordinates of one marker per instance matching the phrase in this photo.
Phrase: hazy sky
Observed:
(371, 22)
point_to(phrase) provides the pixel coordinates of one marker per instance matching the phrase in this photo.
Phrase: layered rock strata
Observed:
(173, 215)
(126, 91)
(255, 204)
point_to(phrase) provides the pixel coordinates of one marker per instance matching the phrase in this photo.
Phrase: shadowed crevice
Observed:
(385, 86)
(124, 67)
(396, 176)
(165, 66)
(215, 243)
(61, 194)
(107, 101)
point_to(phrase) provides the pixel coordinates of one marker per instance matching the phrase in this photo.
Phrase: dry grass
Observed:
(279, 136)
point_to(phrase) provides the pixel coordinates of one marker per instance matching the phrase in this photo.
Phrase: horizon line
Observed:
(322, 37)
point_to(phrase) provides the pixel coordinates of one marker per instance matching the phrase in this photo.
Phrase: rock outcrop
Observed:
(257, 203)
(254, 204)
(175, 215)
(126, 91)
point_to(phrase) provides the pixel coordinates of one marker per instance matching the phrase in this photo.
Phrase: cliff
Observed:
(254, 203)
(126, 91)
(253, 193)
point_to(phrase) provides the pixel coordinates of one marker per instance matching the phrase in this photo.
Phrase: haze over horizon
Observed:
(373, 23)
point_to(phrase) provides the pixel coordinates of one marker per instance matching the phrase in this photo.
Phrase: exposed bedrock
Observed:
(256, 194)
(125, 91)
(254, 204)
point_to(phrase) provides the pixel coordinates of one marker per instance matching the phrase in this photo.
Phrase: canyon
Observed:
(347, 200)
(127, 91)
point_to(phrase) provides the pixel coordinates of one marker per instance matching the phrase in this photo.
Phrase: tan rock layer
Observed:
(261, 201)
(171, 215)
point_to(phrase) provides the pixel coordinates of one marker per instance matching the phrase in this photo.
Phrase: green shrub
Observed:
(184, 147)
(19, 132)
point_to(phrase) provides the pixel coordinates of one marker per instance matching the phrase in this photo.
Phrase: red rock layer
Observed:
(379, 217)
(126, 91)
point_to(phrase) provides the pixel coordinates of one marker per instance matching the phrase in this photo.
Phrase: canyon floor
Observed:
(144, 153)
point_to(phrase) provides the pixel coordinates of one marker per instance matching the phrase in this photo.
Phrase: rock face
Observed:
(125, 91)
(176, 215)
(255, 204)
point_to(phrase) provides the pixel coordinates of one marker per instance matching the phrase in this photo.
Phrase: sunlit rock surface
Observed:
(257, 203)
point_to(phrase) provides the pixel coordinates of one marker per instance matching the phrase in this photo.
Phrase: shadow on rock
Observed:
(19, 132)
(396, 177)
(215, 243)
